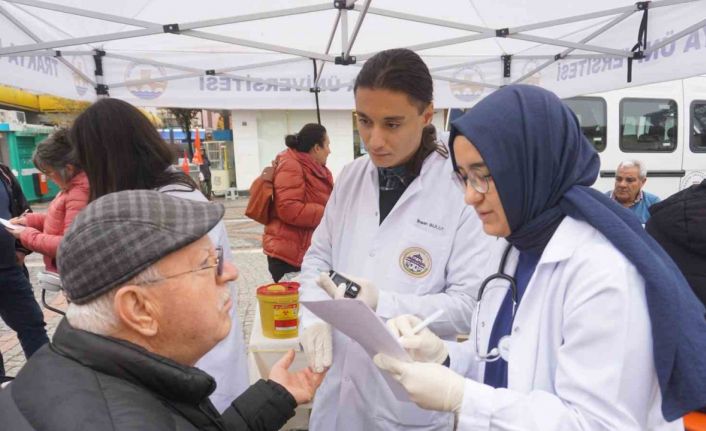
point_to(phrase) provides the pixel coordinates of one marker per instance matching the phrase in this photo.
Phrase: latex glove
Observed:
(301, 384)
(430, 386)
(425, 346)
(317, 343)
(368, 292)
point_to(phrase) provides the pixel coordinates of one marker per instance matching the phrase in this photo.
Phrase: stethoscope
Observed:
(503, 348)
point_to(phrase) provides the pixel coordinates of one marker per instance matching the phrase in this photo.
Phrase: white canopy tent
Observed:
(283, 54)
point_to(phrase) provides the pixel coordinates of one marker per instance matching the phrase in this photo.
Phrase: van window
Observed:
(697, 141)
(648, 125)
(591, 112)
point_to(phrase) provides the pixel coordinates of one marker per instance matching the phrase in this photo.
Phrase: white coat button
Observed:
(347, 379)
(372, 254)
(516, 330)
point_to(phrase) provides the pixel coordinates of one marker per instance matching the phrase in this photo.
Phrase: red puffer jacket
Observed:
(45, 231)
(302, 188)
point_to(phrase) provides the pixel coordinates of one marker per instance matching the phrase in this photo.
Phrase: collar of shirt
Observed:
(637, 200)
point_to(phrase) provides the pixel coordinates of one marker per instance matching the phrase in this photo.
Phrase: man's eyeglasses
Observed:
(475, 179)
(214, 262)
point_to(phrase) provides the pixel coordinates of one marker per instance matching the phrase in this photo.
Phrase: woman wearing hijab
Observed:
(587, 324)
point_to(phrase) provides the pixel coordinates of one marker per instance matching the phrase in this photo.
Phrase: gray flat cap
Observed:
(121, 234)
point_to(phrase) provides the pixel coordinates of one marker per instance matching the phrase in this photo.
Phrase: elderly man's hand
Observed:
(301, 384)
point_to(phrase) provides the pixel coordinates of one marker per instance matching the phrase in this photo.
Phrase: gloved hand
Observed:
(317, 343)
(430, 386)
(368, 292)
(424, 346)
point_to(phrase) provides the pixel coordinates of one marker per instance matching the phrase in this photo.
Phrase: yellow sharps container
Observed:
(279, 309)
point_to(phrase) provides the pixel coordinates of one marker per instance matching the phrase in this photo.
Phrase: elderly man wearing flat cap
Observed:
(148, 298)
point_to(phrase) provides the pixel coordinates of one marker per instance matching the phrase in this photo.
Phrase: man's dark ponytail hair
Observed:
(402, 70)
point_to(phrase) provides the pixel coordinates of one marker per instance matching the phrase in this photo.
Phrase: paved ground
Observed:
(245, 240)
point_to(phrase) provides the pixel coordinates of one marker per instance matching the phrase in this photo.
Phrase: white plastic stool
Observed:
(232, 193)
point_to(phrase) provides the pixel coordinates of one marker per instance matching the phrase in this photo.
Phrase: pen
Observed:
(424, 323)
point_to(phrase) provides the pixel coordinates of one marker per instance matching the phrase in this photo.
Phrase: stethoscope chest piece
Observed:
(504, 347)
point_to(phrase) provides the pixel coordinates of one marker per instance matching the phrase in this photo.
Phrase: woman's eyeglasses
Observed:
(475, 179)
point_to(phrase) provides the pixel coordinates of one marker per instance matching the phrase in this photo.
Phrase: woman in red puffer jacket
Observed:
(43, 232)
(302, 185)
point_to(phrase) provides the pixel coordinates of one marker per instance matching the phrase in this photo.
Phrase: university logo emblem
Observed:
(691, 178)
(467, 92)
(415, 261)
(137, 72)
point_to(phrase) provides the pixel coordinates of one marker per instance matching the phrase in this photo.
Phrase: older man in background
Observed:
(630, 178)
(149, 297)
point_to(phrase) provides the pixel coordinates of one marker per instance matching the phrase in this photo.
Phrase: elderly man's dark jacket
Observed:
(83, 381)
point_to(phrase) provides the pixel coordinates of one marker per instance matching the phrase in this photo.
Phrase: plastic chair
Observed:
(232, 193)
(49, 282)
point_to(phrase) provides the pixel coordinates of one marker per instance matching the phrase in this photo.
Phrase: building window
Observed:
(648, 125)
(697, 141)
(591, 112)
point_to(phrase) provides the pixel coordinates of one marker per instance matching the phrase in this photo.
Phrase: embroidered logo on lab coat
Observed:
(415, 261)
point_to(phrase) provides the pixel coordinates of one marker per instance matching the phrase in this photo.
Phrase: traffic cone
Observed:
(197, 149)
(185, 164)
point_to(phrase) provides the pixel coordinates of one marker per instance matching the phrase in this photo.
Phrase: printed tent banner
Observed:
(283, 54)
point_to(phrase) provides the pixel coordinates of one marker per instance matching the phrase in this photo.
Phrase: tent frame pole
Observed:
(195, 72)
(154, 28)
(676, 36)
(316, 91)
(567, 44)
(328, 47)
(146, 28)
(436, 44)
(101, 88)
(36, 38)
(615, 21)
(425, 20)
(356, 29)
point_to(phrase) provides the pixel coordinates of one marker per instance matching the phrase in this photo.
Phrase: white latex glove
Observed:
(317, 343)
(424, 346)
(368, 292)
(430, 386)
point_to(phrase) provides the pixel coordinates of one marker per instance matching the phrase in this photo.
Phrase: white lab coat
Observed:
(581, 346)
(227, 361)
(432, 233)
